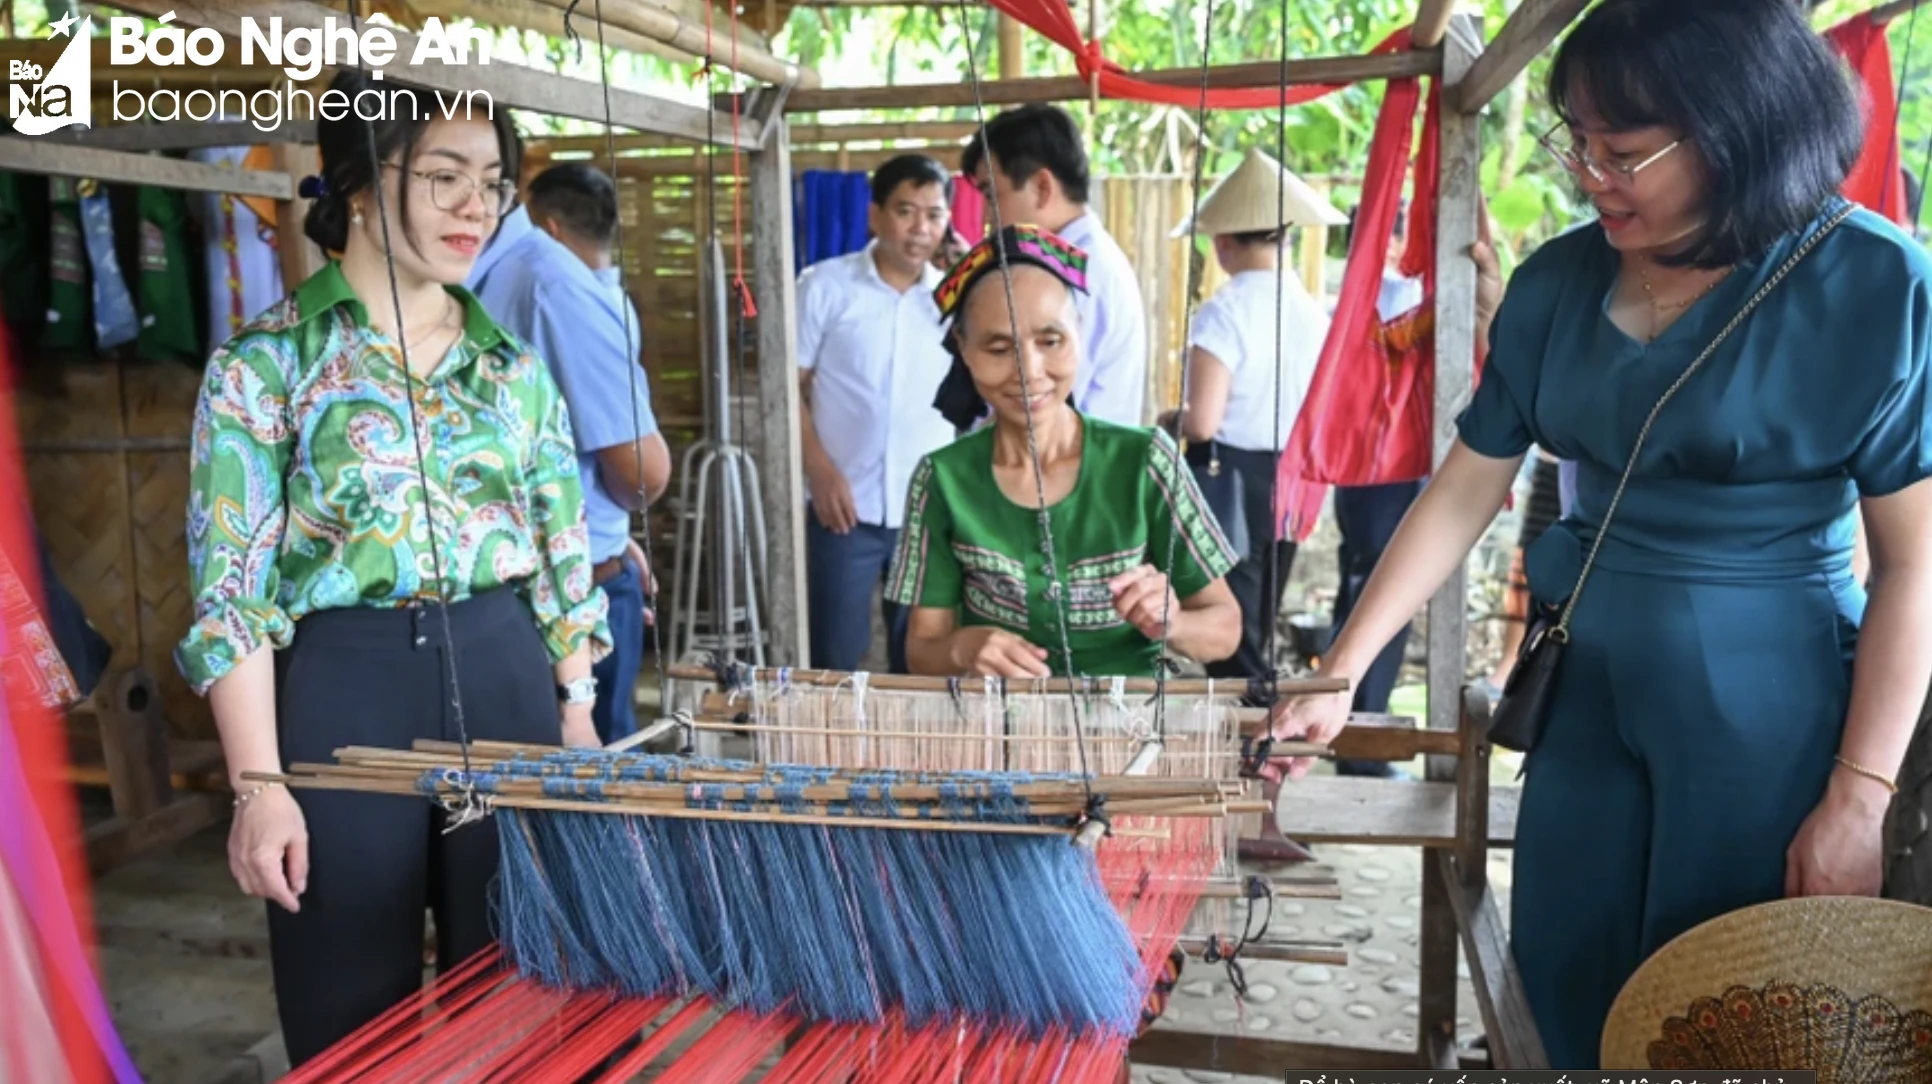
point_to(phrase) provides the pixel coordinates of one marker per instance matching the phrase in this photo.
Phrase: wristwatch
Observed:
(581, 691)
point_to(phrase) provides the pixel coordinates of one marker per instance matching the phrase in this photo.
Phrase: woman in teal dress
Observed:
(1733, 703)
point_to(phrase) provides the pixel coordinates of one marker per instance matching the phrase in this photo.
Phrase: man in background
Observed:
(871, 357)
(1043, 180)
(548, 277)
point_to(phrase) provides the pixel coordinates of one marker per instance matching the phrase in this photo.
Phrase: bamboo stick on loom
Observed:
(650, 796)
(653, 795)
(1014, 687)
(405, 788)
(428, 759)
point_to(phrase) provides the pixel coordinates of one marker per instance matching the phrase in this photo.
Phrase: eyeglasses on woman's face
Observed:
(450, 189)
(1569, 151)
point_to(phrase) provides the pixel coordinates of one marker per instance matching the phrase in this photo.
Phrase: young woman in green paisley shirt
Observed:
(318, 554)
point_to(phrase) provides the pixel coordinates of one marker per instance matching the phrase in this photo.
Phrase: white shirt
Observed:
(877, 357)
(1237, 326)
(1112, 381)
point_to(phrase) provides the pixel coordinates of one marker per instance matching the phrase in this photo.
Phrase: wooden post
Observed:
(1012, 48)
(134, 743)
(300, 257)
(781, 472)
(1456, 210)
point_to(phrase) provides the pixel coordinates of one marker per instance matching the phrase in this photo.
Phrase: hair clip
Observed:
(314, 187)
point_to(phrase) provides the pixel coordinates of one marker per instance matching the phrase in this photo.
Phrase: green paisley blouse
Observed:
(306, 495)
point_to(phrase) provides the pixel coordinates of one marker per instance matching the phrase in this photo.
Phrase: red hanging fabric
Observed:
(1876, 181)
(1054, 19)
(1370, 413)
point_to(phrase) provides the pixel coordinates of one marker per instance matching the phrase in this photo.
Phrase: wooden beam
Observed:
(122, 167)
(1508, 1024)
(300, 257)
(1455, 360)
(506, 85)
(1526, 33)
(776, 442)
(184, 135)
(693, 165)
(803, 135)
(752, 57)
(1885, 13)
(1318, 71)
(1431, 22)
(546, 20)
(1390, 813)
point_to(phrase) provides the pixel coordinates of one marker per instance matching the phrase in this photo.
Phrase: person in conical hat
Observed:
(1247, 377)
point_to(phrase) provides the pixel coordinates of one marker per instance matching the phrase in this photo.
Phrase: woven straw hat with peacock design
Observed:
(1841, 985)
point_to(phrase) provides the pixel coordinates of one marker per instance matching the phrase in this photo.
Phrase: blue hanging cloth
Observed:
(831, 218)
(115, 319)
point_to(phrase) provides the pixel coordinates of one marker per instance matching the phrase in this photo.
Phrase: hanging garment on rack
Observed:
(169, 330)
(244, 270)
(115, 321)
(831, 214)
(1369, 416)
(1876, 179)
(67, 327)
(23, 256)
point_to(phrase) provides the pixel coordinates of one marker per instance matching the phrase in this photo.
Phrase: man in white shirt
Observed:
(871, 357)
(1252, 350)
(1043, 180)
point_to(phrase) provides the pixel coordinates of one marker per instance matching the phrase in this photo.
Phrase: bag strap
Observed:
(1562, 630)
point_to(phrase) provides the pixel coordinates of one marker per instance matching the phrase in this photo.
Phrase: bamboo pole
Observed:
(718, 43)
(677, 813)
(1013, 686)
(1316, 71)
(1885, 13)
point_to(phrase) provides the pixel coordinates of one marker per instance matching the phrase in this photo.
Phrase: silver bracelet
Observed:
(244, 799)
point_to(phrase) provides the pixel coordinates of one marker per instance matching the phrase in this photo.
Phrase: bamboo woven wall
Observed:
(106, 448)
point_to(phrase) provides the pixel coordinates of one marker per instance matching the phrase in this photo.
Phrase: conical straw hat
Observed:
(1261, 195)
(1837, 984)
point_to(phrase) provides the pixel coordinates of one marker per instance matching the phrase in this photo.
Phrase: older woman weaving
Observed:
(991, 592)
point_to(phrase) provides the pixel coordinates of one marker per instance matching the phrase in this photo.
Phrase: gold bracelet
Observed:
(1869, 774)
(244, 799)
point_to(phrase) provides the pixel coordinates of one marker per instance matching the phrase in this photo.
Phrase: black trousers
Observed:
(381, 678)
(1368, 517)
(1252, 502)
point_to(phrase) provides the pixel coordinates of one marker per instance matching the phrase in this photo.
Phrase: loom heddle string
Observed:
(1055, 593)
(466, 809)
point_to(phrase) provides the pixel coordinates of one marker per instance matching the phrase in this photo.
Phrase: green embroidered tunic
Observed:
(966, 547)
(305, 492)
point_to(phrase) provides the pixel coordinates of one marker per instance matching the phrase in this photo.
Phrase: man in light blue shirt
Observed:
(547, 276)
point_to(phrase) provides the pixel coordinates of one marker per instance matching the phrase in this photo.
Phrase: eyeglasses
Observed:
(450, 189)
(1609, 173)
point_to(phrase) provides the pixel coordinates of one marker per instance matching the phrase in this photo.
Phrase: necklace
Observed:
(1658, 308)
(449, 309)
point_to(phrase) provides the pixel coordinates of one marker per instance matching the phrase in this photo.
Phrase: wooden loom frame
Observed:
(1452, 814)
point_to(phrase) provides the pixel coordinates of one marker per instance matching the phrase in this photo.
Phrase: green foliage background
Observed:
(1530, 196)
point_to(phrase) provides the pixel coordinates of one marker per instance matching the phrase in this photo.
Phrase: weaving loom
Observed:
(909, 879)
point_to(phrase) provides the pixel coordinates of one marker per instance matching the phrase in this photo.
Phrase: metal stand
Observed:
(721, 531)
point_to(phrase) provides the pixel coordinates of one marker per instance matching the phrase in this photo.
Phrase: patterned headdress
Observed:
(1023, 244)
(958, 400)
